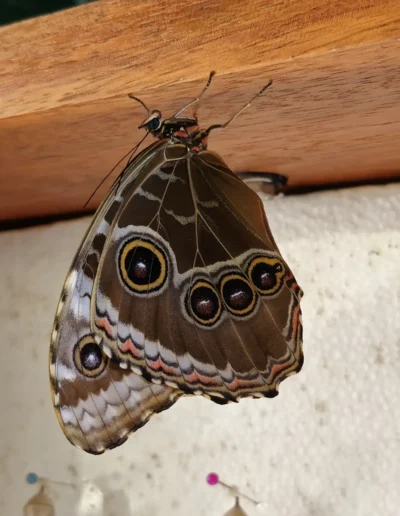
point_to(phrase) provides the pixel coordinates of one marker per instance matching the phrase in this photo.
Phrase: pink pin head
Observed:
(212, 479)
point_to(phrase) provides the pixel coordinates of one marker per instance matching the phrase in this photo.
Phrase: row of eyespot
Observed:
(143, 269)
(203, 300)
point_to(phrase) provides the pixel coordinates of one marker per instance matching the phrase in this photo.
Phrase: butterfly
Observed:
(178, 288)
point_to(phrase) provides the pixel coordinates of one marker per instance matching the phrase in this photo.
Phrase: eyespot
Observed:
(143, 266)
(203, 303)
(267, 274)
(88, 357)
(238, 294)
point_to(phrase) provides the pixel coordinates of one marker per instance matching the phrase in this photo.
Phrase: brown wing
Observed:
(191, 289)
(97, 403)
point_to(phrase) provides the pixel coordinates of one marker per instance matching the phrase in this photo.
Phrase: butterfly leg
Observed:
(266, 182)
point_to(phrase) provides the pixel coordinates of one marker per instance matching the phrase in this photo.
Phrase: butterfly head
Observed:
(177, 129)
(174, 127)
(186, 129)
(153, 122)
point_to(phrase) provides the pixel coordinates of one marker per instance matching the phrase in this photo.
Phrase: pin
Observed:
(213, 479)
(89, 498)
(33, 478)
(41, 504)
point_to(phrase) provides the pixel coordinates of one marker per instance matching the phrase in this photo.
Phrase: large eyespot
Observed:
(88, 357)
(143, 266)
(203, 303)
(267, 274)
(238, 294)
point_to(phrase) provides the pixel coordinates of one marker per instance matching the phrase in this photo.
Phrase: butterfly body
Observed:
(177, 288)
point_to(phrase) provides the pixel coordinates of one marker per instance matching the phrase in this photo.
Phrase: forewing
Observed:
(97, 403)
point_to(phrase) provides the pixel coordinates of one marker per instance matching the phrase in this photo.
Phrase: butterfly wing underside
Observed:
(191, 290)
(97, 403)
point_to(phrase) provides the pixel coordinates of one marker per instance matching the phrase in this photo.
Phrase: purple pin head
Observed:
(212, 479)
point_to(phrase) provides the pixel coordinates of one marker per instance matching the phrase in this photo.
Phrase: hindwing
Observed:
(191, 290)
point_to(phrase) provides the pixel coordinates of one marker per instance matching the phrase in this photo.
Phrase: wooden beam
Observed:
(113, 46)
(332, 115)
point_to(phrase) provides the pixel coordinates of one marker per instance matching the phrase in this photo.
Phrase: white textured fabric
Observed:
(327, 445)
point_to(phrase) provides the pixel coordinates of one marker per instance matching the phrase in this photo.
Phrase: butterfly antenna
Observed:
(248, 104)
(140, 102)
(129, 153)
(197, 99)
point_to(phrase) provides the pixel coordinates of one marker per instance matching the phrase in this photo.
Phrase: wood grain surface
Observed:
(332, 114)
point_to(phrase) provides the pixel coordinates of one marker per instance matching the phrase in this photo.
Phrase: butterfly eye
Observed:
(238, 294)
(204, 304)
(142, 266)
(154, 124)
(88, 357)
(267, 274)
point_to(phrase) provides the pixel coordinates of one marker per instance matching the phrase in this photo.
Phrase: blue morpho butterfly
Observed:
(178, 288)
